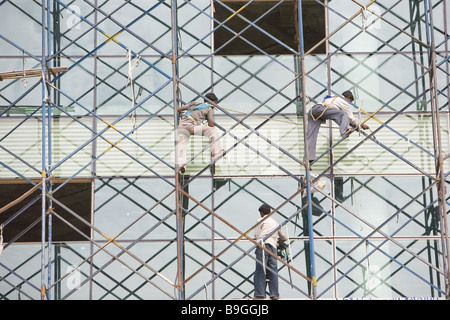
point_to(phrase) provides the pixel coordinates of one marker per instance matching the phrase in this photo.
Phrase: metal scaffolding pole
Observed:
(440, 175)
(311, 259)
(178, 192)
(43, 163)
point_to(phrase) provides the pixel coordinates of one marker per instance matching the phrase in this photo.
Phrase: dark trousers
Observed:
(270, 267)
(337, 115)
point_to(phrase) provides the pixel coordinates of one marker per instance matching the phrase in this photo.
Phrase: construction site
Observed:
(95, 203)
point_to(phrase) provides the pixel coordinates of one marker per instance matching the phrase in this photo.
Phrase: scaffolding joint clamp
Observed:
(43, 291)
(314, 281)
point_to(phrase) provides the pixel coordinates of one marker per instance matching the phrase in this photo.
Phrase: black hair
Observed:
(348, 94)
(211, 96)
(264, 209)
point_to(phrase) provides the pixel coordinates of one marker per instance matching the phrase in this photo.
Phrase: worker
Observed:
(334, 108)
(191, 123)
(266, 264)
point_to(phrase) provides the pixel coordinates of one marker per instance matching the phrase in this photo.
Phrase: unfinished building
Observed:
(93, 204)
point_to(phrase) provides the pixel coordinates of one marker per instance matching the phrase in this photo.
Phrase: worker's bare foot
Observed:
(348, 132)
(221, 154)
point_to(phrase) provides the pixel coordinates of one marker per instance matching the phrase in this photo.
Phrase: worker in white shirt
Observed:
(265, 262)
(332, 108)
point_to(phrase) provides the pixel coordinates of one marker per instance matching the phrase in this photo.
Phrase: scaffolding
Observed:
(96, 208)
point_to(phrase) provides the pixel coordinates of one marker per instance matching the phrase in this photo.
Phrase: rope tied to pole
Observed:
(326, 107)
(24, 80)
(130, 82)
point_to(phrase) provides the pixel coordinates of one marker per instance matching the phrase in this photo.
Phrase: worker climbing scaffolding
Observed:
(191, 123)
(334, 108)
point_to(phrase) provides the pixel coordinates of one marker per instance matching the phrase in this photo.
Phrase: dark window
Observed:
(75, 196)
(280, 22)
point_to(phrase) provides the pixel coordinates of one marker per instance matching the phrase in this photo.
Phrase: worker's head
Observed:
(348, 95)
(212, 97)
(264, 209)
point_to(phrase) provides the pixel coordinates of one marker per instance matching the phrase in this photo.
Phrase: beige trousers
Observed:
(185, 130)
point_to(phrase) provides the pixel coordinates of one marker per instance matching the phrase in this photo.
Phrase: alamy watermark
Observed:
(73, 280)
(73, 20)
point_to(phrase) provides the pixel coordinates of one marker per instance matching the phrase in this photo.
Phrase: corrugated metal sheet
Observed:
(117, 155)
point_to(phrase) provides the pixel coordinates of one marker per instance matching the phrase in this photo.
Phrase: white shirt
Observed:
(263, 229)
(343, 105)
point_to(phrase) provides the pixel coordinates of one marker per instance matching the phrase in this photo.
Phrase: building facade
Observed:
(93, 205)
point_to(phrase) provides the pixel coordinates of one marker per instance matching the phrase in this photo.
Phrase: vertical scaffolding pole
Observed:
(49, 152)
(333, 177)
(440, 175)
(94, 148)
(43, 172)
(311, 265)
(213, 252)
(178, 194)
